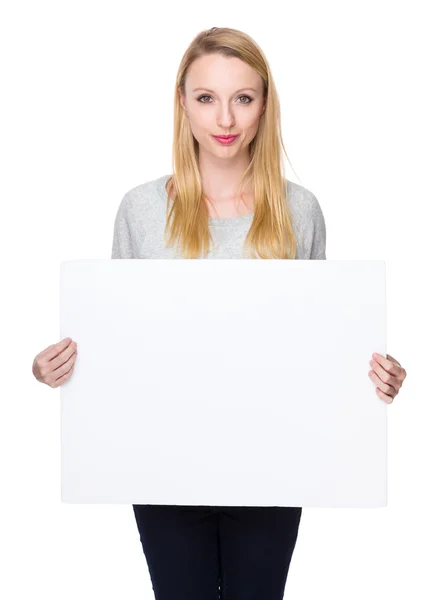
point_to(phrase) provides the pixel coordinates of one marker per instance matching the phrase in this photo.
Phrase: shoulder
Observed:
(304, 206)
(140, 211)
(144, 196)
(303, 202)
(308, 221)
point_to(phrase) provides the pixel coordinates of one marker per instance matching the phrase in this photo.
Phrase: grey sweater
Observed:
(140, 224)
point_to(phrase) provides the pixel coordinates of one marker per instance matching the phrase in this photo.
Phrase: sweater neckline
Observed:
(215, 221)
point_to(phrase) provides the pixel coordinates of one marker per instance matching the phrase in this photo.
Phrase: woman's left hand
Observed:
(388, 375)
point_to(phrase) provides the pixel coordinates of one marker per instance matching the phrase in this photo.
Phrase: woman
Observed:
(225, 199)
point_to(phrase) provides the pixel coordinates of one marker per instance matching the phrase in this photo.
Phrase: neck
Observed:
(220, 177)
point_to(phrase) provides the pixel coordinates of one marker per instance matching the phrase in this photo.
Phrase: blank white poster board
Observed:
(223, 382)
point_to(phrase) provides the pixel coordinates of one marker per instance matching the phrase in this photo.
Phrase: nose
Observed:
(225, 117)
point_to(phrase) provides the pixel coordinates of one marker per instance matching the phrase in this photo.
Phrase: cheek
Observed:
(250, 127)
(251, 121)
(201, 122)
(253, 125)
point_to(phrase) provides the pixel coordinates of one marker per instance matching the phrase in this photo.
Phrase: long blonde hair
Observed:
(271, 234)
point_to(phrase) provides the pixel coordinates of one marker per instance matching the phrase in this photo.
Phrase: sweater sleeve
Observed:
(319, 232)
(122, 246)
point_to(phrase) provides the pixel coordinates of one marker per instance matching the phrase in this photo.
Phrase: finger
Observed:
(57, 373)
(394, 368)
(385, 387)
(62, 358)
(385, 376)
(393, 360)
(386, 364)
(402, 374)
(65, 376)
(384, 397)
(55, 349)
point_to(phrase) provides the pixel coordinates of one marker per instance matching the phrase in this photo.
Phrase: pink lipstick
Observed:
(225, 140)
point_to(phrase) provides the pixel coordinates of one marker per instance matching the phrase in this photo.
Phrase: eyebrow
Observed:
(212, 91)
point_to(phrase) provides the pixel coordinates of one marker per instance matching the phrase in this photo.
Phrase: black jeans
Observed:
(214, 552)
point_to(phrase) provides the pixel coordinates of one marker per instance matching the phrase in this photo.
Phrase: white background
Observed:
(86, 115)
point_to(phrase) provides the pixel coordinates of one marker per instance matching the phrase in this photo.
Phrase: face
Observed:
(224, 96)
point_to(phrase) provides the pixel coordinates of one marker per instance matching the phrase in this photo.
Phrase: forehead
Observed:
(222, 73)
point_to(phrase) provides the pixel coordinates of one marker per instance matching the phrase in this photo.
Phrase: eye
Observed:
(207, 96)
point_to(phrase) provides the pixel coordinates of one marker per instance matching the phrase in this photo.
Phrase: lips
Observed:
(226, 137)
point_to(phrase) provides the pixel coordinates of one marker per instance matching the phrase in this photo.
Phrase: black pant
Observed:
(212, 552)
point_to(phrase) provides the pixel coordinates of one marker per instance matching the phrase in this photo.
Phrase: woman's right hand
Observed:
(54, 365)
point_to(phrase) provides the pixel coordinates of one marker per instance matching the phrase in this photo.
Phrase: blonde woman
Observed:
(226, 198)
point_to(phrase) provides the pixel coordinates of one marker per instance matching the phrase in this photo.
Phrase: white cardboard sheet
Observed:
(223, 382)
